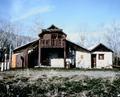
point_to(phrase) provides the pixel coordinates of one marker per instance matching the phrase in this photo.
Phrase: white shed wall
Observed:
(57, 63)
(83, 59)
(106, 63)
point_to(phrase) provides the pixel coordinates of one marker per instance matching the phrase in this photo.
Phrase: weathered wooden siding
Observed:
(17, 61)
(13, 64)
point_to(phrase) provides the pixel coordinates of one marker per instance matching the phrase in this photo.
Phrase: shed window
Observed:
(54, 36)
(101, 56)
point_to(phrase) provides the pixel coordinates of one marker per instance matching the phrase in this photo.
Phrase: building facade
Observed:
(52, 49)
(101, 56)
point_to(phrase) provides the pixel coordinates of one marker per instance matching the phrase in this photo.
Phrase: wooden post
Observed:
(5, 63)
(65, 53)
(74, 58)
(39, 53)
(2, 66)
(26, 58)
(10, 59)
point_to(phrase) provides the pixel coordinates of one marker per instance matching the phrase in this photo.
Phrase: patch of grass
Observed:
(43, 84)
(60, 86)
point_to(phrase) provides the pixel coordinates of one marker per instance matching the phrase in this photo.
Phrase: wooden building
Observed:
(52, 49)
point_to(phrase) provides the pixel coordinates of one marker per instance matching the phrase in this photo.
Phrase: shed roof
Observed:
(52, 29)
(34, 43)
(100, 47)
(77, 47)
(28, 45)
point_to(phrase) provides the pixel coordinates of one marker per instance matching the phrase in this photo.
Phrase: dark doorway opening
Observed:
(22, 59)
(93, 61)
(49, 53)
(33, 58)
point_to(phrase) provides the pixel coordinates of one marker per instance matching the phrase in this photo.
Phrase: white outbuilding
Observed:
(101, 56)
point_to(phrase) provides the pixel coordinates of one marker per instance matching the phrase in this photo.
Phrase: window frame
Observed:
(101, 56)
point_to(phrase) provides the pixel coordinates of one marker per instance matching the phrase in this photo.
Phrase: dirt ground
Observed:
(77, 74)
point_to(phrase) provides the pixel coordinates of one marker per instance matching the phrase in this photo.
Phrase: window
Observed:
(47, 42)
(59, 36)
(54, 36)
(101, 56)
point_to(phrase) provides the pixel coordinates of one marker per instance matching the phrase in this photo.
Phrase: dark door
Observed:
(93, 60)
(22, 59)
(33, 58)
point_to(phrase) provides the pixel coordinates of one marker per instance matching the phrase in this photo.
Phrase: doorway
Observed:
(33, 58)
(93, 61)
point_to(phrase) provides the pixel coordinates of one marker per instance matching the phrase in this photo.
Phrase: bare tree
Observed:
(82, 39)
(5, 39)
(10, 35)
(36, 26)
(113, 40)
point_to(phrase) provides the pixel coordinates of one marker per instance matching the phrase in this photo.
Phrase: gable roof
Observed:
(28, 45)
(93, 46)
(76, 47)
(52, 29)
(34, 43)
(100, 47)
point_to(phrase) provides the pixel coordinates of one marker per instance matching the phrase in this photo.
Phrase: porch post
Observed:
(64, 53)
(26, 58)
(39, 53)
(74, 58)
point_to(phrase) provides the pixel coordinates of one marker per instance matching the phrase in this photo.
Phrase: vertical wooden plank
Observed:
(26, 57)
(74, 58)
(14, 61)
(65, 53)
(5, 63)
(39, 53)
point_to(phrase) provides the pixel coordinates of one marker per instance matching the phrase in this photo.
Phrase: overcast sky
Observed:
(73, 16)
